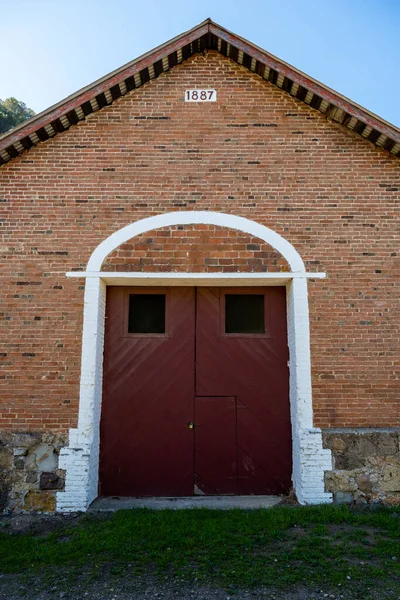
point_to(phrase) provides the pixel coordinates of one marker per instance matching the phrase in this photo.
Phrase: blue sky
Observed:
(51, 48)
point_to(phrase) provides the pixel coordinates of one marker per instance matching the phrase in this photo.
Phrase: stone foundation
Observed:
(29, 474)
(366, 465)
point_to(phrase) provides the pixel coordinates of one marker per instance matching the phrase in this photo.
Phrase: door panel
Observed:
(148, 395)
(215, 445)
(264, 451)
(186, 368)
(254, 369)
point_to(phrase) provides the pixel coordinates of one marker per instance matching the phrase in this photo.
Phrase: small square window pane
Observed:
(146, 313)
(244, 313)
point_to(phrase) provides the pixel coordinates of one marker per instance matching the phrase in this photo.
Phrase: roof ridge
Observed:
(205, 35)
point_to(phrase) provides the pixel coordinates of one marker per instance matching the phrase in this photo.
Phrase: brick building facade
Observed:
(270, 185)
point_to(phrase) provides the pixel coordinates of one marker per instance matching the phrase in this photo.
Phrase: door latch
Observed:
(190, 425)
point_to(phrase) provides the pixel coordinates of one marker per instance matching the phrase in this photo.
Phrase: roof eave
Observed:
(303, 79)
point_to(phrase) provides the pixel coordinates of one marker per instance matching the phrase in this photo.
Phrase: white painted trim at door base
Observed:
(80, 459)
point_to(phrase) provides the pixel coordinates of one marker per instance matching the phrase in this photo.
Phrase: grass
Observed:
(279, 547)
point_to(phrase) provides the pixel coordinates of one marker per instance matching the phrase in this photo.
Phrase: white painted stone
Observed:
(81, 458)
(46, 458)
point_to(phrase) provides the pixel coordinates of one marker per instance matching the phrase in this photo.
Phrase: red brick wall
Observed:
(257, 153)
(196, 249)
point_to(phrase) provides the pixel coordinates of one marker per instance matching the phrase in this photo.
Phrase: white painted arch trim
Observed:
(193, 217)
(81, 458)
(193, 279)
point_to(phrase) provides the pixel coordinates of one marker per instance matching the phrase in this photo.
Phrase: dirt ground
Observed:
(15, 587)
(38, 523)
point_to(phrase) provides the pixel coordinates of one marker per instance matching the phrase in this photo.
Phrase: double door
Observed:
(195, 392)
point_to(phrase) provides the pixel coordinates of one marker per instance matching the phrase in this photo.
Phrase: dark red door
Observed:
(195, 397)
(241, 351)
(146, 447)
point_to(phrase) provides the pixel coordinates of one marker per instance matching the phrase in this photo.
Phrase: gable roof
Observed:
(205, 36)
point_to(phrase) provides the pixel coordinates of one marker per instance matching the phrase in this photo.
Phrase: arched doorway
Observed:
(81, 458)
